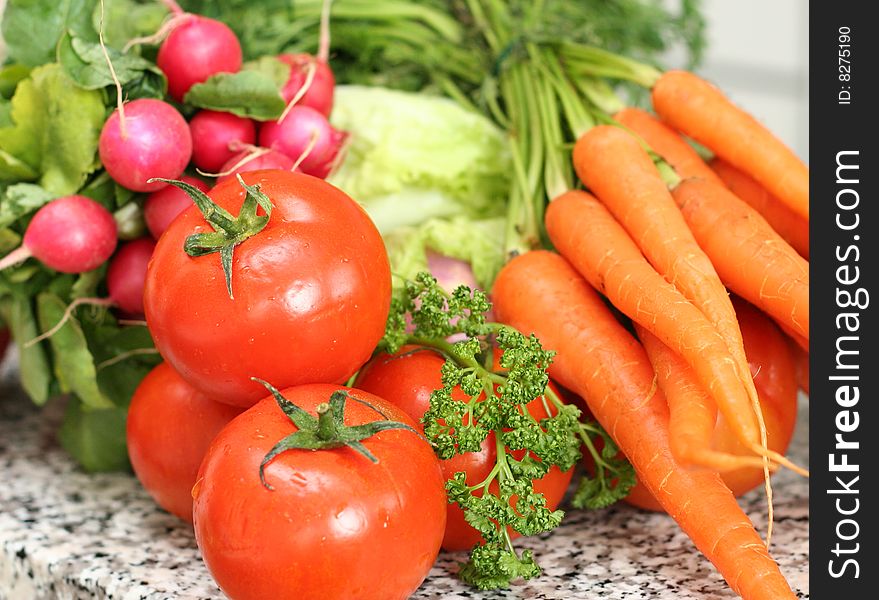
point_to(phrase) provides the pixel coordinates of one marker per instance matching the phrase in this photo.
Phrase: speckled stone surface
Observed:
(65, 534)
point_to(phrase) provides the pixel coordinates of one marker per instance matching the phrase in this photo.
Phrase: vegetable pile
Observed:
(351, 282)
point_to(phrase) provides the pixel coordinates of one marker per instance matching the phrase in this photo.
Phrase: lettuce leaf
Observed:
(477, 242)
(413, 157)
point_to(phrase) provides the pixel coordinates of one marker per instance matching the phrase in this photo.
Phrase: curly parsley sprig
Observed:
(496, 400)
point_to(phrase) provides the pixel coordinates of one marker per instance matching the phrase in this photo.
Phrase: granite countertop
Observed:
(66, 534)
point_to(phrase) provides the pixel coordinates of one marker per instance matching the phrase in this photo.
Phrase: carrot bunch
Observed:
(664, 236)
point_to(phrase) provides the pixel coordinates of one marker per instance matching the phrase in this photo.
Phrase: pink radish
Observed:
(339, 144)
(72, 234)
(450, 272)
(321, 84)
(255, 160)
(151, 140)
(311, 82)
(212, 134)
(195, 49)
(126, 277)
(163, 206)
(304, 134)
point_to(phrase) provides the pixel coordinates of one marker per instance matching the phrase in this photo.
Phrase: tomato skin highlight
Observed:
(311, 292)
(406, 380)
(169, 428)
(336, 526)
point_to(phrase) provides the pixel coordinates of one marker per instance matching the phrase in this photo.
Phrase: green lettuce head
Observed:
(413, 157)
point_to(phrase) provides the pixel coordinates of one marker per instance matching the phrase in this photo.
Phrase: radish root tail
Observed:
(125, 356)
(254, 153)
(310, 70)
(120, 104)
(163, 32)
(68, 313)
(323, 50)
(312, 141)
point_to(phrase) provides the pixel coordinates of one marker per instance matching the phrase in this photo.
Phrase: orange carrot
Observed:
(751, 258)
(799, 340)
(667, 143)
(599, 360)
(698, 109)
(687, 163)
(619, 171)
(587, 235)
(693, 413)
(789, 225)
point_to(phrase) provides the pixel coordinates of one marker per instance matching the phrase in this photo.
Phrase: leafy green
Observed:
(56, 129)
(125, 20)
(95, 437)
(74, 364)
(86, 65)
(33, 365)
(262, 27)
(476, 242)
(123, 357)
(13, 169)
(10, 75)
(19, 200)
(101, 189)
(86, 284)
(32, 28)
(251, 93)
(542, 71)
(277, 70)
(5, 113)
(614, 476)
(130, 224)
(496, 402)
(439, 44)
(9, 240)
(414, 156)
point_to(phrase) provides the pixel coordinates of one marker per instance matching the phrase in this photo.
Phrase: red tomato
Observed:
(335, 525)
(311, 292)
(406, 380)
(170, 426)
(801, 358)
(774, 372)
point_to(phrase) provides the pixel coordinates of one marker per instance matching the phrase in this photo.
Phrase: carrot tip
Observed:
(780, 459)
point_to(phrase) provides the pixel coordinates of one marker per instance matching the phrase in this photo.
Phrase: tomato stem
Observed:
(229, 231)
(326, 428)
(326, 432)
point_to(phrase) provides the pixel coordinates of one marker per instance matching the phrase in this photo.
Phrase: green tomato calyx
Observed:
(327, 431)
(228, 231)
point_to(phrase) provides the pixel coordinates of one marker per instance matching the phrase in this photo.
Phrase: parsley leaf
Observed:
(500, 372)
